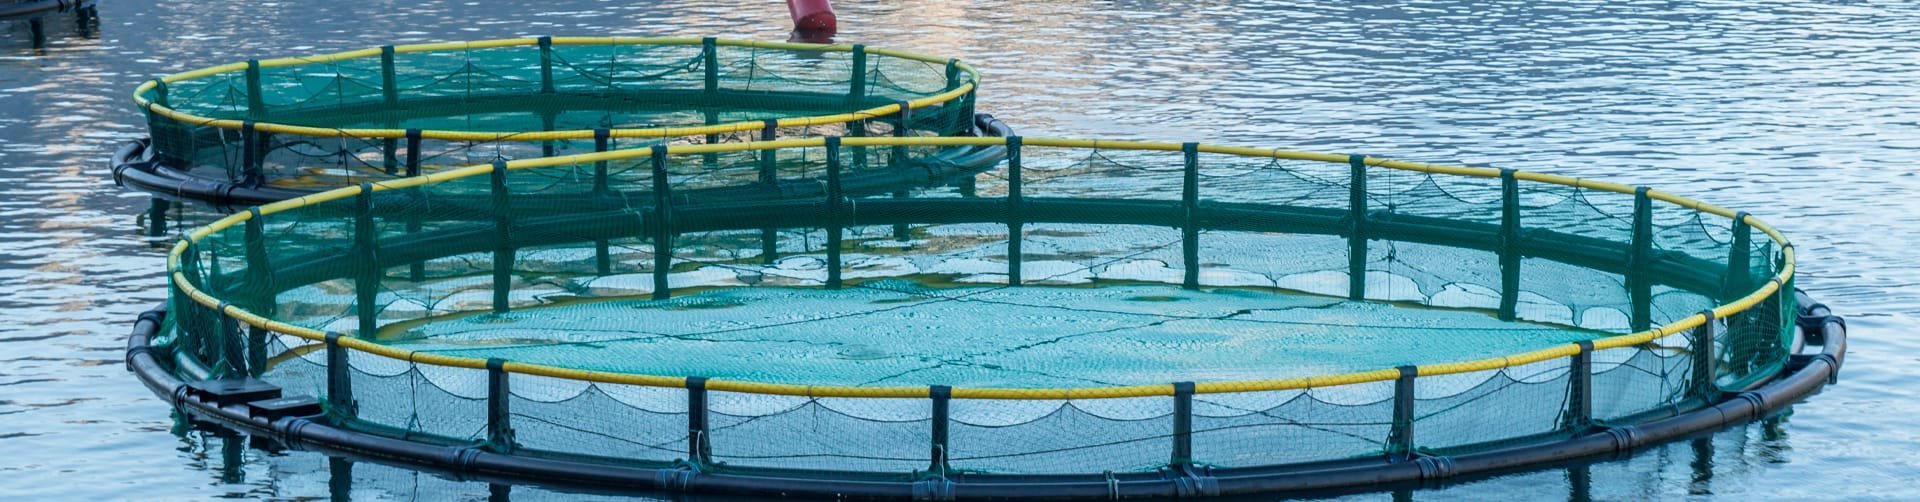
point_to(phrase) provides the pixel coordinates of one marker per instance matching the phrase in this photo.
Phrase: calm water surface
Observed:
(1806, 113)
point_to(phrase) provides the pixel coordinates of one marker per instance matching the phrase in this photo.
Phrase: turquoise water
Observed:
(897, 332)
(1803, 112)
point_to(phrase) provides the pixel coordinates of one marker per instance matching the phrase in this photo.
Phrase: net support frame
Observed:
(602, 248)
(340, 402)
(1704, 360)
(1579, 414)
(769, 176)
(1739, 258)
(256, 101)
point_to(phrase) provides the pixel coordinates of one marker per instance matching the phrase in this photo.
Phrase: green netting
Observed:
(1084, 269)
(480, 102)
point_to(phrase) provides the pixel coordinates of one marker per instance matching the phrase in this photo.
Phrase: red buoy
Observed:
(812, 15)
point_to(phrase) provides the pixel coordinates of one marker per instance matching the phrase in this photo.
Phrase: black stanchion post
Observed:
(836, 202)
(416, 271)
(1357, 232)
(710, 64)
(1509, 245)
(1400, 436)
(769, 176)
(1016, 208)
(499, 418)
(1580, 389)
(662, 224)
(602, 252)
(1190, 215)
(256, 102)
(340, 403)
(859, 77)
(250, 145)
(1705, 355)
(389, 83)
(1739, 279)
(942, 421)
(503, 238)
(259, 281)
(1640, 263)
(699, 430)
(546, 65)
(366, 282)
(1182, 424)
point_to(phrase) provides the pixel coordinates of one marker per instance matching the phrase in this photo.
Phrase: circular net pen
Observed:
(1091, 319)
(266, 130)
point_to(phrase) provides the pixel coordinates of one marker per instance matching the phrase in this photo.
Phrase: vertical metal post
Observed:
(1509, 245)
(1190, 215)
(602, 252)
(366, 282)
(662, 224)
(770, 176)
(250, 146)
(417, 270)
(389, 82)
(390, 156)
(1739, 279)
(1357, 233)
(413, 152)
(256, 103)
(503, 239)
(859, 77)
(835, 205)
(1182, 424)
(1400, 437)
(499, 425)
(1016, 208)
(390, 93)
(710, 63)
(1639, 282)
(1580, 389)
(942, 422)
(699, 430)
(340, 403)
(896, 158)
(546, 65)
(260, 281)
(1705, 355)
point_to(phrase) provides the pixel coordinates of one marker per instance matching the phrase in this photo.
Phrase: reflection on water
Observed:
(1802, 112)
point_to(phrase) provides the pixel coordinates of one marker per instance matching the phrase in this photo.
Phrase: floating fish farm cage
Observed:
(1087, 319)
(260, 131)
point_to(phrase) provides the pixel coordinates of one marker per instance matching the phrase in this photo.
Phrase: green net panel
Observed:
(1084, 307)
(377, 114)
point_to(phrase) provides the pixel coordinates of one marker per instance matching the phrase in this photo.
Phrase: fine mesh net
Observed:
(484, 101)
(1088, 286)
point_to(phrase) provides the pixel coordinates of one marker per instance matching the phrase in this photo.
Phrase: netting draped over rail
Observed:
(1085, 307)
(377, 114)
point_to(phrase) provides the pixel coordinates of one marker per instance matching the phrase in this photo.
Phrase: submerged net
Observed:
(1076, 310)
(371, 115)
